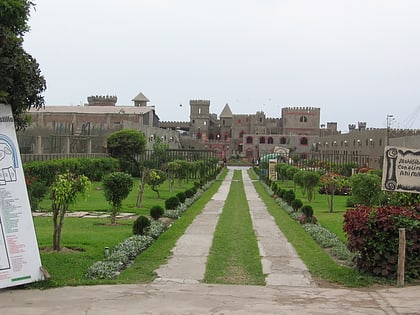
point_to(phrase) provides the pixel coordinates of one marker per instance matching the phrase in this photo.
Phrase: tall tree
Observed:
(21, 82)
(126, 145)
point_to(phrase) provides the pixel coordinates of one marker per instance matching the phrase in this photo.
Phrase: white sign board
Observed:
(19, 255)
(401, 170)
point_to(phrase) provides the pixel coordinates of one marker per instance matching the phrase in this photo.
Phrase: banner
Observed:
(401, 170)
(19, 255)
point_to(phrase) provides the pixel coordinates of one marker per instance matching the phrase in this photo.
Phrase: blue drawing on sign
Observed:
(8, 160)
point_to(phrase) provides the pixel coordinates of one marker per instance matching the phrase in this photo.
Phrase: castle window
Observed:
(223, 122)
(260, 119)
(239, 121)
(241, 134)
(205, 123)
(199, 135)
(199, 110)
(304, 141)
(303, 119)
(283, 140)
(270, 140)
(193, 121)
(262, 140)
(249, 139)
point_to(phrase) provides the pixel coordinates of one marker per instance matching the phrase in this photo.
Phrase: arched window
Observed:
(199, 135)
(283, 140)
(262, 140)
(304, 141)
(270, 140)
(241, 134)
(303, 119)
(249, 139)
(226, 136)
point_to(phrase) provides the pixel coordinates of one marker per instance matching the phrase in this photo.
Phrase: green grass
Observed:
(88, 236)
(319, 263)
(234, 255)
(95, 200)
(331, 221)
(142, 270)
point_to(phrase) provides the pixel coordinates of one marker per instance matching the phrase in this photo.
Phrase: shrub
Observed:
(281, 193)
(308, 215)
(366, 188)
(117, 186)
(181, 196)
(373, 235)
(296, 204)
(289, 196)
(156, 212)
(36, 192)
(140, 225)
(189, 193)
(171, 203)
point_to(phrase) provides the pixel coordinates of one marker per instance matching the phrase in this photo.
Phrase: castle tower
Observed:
(199, 118)
(301, 120)
(140, 100)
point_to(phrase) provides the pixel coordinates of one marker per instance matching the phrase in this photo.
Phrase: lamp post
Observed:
(389, 119)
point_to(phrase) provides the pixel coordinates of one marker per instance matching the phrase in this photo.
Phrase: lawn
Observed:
(234, 255)
(94, 200)
(331, 221)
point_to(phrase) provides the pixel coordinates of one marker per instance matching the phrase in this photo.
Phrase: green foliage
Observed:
(307, 210)
(45, 171)
(21, 82)
(373, 234)
(289, 196)
(366, 188)
(125, 145)
(402, 199)
(181, 196)
(310, 180)
(282, 169)
(37, 190)
(296, 204)
(154, 179)
(189, 193)
(156, 212)
(140, 225)
(64, 191)
(171, 203)
(117, 186)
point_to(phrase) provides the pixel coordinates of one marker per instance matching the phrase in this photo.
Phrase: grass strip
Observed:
(234, 255)
(143, 268)
(319, 263)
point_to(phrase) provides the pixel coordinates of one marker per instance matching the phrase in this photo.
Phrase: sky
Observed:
(357, 60)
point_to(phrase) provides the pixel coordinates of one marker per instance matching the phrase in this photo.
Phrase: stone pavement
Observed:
(178, 288)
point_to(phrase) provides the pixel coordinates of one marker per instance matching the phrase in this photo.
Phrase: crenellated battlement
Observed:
(200, 102)
(301, 108)
(101, 100)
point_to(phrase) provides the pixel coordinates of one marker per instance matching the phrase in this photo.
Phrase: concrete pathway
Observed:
(189, 256)
(280, 261)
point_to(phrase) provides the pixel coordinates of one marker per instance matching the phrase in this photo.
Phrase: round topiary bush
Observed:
(156, 212)
(308, 211)
(181, 196)
(281, 192)
(171, 203)
(289, 196)
(189, 193)
(140, 225)
(296, 204)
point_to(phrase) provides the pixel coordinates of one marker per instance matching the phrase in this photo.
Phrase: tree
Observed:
(331, 182)
(126, 145)
(21, 82)
(366, 188)
(64, 192)
(154, 179)
(117, 186)
(310, 180)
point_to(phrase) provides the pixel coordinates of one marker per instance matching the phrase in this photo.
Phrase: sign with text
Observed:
(19, 255)
(272, 169)
(401, 170)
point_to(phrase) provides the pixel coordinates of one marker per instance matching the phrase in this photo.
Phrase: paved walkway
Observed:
(178, 289)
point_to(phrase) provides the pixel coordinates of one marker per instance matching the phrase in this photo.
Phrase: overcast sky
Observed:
(358, 60)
